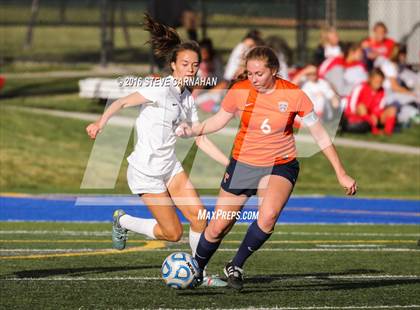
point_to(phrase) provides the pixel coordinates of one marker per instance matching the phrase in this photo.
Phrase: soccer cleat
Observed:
(198, 280)
(234, 276)
(119, 234)
(213, 281)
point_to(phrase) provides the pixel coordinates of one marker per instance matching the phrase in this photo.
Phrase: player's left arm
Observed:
(324, 141)
(318, 132)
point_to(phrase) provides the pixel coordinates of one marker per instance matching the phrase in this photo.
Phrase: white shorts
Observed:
(141, 183)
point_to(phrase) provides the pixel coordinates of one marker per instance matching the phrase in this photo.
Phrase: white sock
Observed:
(194, 238)
(138, 225)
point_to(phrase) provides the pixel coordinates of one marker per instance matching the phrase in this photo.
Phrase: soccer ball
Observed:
(179, 269)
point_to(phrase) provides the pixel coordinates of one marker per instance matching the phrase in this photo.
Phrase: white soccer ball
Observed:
(179, 270)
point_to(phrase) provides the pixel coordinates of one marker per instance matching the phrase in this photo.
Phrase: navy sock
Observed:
(253, 240)
(205, 250)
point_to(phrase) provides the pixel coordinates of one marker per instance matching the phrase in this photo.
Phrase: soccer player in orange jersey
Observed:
(263, 159)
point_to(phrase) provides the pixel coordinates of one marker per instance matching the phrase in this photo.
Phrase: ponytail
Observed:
(165, 41)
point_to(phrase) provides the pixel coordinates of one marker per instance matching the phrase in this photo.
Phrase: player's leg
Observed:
(274, 192)
(186, 199)
(388, 119)
(168, 226)
(154, 193)
(218, 226)
(164, 225)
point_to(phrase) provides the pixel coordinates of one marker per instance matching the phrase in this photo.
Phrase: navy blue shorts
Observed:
(243, 179)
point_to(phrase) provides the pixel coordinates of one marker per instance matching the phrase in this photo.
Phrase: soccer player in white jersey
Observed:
(154, 172)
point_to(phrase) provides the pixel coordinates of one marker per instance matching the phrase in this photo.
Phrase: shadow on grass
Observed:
(335, 285)
(77, 272)
(327, 284)
(317, 275)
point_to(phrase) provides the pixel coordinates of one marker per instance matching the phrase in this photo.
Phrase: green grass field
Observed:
(70, 265)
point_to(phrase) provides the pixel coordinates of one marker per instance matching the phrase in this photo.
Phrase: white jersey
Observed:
(154, 152)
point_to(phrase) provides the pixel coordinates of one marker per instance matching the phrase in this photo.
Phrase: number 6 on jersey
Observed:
(265, 126)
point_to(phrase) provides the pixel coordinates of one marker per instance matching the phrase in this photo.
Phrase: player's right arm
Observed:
(210, 125)
(132, 100)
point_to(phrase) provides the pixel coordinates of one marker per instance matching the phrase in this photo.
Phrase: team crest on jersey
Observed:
(283, 106)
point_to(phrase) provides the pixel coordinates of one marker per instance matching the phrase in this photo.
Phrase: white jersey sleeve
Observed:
(189, 107)
(153, 94)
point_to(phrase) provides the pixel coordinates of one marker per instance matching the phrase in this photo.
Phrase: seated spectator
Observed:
(283, 52)
(234, 66)
(211, 64)
(366, 109)
(345, 72)
(321, 94)
(378, 44)
(330, 46)
(400, 89)
(209, 100)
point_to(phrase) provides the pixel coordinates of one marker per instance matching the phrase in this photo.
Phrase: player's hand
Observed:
(93, 130)
(184, 131)
(348, 183)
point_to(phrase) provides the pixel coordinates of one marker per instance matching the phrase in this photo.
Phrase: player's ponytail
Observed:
(165, 41)
(163, 38)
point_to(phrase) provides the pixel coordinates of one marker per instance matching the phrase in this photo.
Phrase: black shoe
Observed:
(234, 276)
(198, 280)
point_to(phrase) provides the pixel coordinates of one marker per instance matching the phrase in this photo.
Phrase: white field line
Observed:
(56, 232)
(290, 278)
(49, 250)
(108, 232)
(355, 249)
(349, 246)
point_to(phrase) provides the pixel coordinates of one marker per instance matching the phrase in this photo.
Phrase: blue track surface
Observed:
(298, 210)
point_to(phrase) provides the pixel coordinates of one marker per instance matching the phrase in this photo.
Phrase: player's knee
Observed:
(173, 235)
(216, 231)
(267, 221)
(198, 225)
(197, 222)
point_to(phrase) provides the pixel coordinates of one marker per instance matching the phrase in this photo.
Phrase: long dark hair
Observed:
(166, 42)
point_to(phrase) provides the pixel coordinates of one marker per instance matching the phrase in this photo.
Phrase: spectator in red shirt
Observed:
(378, 44)
(366, 105)
(345, 72)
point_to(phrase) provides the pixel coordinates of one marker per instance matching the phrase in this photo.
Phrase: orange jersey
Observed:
(265, 137)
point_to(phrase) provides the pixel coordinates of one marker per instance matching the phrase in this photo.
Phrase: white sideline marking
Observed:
(108, 232)
(300, 250)
(350, 246)
(56, 232)
(323, 249)
(48, 250)
(291, 278)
